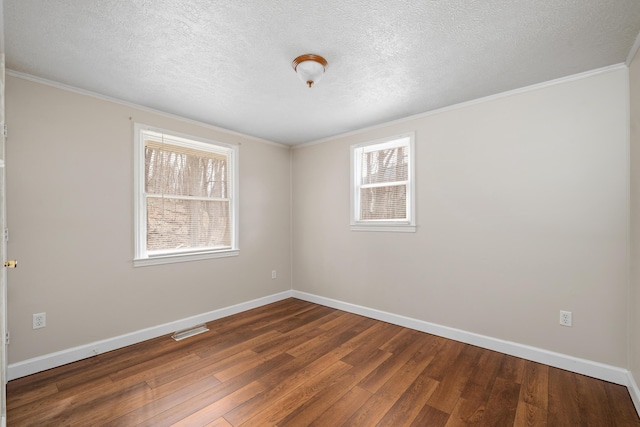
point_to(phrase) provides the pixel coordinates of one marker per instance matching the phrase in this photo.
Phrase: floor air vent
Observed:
(186, 333)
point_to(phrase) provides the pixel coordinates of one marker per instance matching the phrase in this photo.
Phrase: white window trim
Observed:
(142, 258)
(408, 225)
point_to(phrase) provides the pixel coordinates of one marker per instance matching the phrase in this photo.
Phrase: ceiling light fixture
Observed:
(309, 67)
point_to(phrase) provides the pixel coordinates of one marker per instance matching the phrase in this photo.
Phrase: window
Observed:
(383, 185)
(186, 194)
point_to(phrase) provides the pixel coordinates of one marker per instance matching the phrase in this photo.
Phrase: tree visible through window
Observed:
(382, 185)
(186, 198)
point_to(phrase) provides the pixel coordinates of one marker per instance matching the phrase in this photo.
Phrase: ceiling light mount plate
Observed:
(309, 67)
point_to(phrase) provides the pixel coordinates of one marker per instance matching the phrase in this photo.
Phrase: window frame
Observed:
(141, 256)
(399, 225)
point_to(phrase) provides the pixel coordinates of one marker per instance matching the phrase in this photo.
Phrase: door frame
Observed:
(3, 240)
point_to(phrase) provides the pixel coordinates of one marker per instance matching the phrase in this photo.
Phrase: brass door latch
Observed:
(11, 264)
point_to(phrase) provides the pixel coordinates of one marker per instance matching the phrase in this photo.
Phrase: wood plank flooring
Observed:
(294, 363)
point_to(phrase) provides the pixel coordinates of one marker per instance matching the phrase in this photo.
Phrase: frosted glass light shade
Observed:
(310, 68)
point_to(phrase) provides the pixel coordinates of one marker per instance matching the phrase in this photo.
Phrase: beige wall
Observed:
(70, 213)
(522, 211)
(634, 300)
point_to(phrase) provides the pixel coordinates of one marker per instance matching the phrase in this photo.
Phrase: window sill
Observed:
(405, 228)
(169, 259)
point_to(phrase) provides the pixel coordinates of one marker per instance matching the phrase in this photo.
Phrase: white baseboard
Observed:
(634, 391)
(581, 366)
(59, 358)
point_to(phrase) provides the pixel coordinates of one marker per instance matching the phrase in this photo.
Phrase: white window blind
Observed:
(186, 196)
(382, 185)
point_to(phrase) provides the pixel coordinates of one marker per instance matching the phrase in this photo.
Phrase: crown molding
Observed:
(96, 95)
(476, 101)
(633, 51)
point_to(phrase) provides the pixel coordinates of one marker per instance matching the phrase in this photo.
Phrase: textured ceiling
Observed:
(228, 63)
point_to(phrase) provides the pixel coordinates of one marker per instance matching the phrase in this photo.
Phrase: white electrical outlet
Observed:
(273, 274)
(565, 318)
(39, 320)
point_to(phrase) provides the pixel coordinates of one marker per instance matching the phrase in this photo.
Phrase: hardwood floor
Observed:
(294, 363)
